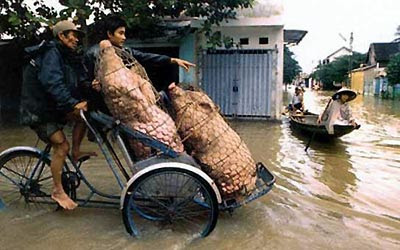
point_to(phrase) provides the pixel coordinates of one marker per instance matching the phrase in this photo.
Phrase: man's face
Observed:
(118, 38)
(70, 39)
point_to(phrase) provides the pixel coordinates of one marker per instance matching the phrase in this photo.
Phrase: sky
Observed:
(370, 21)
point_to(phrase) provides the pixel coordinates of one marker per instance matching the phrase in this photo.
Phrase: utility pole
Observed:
(350, 57)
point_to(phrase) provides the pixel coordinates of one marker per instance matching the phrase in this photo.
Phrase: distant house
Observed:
(380, 53)
(378, 57)
(245, 80)
(343, 51)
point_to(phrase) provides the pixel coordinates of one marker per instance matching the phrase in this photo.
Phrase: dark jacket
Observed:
(149, 59)
(50, 86)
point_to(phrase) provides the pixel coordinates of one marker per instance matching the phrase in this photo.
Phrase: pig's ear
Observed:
(206, 106)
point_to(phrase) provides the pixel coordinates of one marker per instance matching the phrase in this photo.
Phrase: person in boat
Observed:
(337, 110)
(297, 101)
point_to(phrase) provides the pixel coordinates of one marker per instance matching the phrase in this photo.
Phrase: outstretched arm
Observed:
(157, 60)
(182, 63)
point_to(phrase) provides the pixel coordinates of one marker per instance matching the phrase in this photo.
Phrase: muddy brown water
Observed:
(340, 195)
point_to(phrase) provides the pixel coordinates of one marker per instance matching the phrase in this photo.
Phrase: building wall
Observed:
(254, 33)
(275, 37)
(187, 51)
(190, 48)
(369, 76)
(275, 42)
(357, 81)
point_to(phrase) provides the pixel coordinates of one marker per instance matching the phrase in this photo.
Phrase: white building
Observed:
(343, 51)
(246, 80)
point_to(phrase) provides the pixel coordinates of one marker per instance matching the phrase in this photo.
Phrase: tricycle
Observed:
(168, 189)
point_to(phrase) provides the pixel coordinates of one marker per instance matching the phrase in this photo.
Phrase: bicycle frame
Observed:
(117, 168)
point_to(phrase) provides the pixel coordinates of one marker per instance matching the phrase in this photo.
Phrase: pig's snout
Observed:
(105, 44)
(172, 86)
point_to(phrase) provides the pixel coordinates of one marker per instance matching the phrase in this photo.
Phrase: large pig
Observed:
(126, 101)
(214, 143)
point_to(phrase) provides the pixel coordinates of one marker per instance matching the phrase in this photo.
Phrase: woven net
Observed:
(225, 156)
(131, 98)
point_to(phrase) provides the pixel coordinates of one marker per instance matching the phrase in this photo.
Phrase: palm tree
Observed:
(397, 34)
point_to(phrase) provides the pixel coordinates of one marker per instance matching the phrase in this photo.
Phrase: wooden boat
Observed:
(307, 123)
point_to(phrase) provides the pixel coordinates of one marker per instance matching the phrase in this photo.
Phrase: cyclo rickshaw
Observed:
(167, 189)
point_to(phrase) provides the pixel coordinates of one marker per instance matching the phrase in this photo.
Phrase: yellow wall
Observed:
(357, 81)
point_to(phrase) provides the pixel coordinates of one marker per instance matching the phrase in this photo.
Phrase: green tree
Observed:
(291, 67)
(144, 17)
(393, 70)
(338, 70)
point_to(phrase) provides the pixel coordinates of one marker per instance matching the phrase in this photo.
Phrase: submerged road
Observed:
(341, 195)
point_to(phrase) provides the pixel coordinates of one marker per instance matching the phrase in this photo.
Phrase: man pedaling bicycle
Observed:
(50, 98)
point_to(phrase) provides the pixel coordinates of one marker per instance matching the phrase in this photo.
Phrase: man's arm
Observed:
(150, 58)
(157, 60)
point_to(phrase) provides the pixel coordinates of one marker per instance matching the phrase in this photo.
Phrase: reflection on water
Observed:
(339, 195)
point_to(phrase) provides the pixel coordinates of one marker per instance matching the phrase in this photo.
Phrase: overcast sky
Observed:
(370, 20)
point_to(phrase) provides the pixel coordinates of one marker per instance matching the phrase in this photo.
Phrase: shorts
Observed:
(46, 130)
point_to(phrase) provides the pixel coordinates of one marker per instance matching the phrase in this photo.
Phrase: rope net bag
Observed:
(224, 155)
(131, 98)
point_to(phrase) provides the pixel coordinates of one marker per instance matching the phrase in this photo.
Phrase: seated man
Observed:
(297, 101)
(337, 111)
(114, 28)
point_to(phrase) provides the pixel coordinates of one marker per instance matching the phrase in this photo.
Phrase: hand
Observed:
(353, 123)
(184, 64)
(75, 114)
(81, 106)
(319, 120)
(96, 85)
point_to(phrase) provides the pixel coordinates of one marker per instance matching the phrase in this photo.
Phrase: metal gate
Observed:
(239, 81)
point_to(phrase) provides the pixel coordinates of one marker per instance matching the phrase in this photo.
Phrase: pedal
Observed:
(83, 158)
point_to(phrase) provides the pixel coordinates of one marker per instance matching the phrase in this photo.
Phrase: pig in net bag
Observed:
(213, 142)
(131, 98)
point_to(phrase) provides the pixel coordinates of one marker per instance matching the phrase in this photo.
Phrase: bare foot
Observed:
(63, 200)
(77, 155)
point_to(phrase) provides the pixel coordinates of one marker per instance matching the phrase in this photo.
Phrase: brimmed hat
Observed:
(65, 25)
(352, 94)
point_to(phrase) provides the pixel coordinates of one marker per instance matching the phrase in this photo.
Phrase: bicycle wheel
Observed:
(174, 198)
(25, 181)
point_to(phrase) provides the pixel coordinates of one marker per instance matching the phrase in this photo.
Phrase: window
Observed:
(244, 41)
(263, 40)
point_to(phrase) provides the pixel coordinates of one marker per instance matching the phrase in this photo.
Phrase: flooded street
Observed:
(339, 195)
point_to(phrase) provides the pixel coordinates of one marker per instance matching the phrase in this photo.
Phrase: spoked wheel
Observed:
(25, 181)
(173, 198)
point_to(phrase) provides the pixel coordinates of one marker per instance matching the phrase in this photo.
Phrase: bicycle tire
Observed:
(156, 197)
(20, 187)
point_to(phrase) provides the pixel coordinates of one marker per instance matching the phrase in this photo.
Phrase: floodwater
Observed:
(339, 195)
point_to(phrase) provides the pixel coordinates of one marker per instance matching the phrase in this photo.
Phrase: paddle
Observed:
(313, 134)
(309, 141)
(2, 205)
